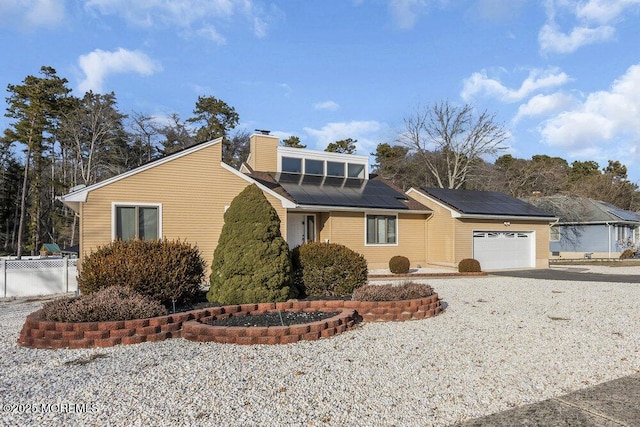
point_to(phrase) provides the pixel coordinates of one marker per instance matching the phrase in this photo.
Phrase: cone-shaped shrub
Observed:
(251, 262)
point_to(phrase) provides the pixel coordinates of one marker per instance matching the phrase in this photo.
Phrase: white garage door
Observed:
(500, 250)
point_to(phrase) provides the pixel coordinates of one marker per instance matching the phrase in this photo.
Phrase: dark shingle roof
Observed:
(574, 209)
(473, 202)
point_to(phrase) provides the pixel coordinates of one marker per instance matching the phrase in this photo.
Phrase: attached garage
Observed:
(497, 250)
(498, 230)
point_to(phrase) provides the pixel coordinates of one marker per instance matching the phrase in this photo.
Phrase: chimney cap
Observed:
(263, 131)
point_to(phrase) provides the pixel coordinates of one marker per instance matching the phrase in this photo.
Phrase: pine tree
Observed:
(251, 262)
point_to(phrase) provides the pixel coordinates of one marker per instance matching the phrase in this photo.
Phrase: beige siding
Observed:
(441, 245)
(264, 153)
(193, 191)
(348, 228)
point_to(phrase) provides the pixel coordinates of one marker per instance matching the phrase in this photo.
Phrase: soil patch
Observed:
(274, 318)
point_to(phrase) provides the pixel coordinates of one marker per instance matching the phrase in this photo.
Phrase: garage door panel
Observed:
(503, 250)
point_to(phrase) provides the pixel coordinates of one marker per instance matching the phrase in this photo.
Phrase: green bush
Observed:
(251, 262)
(160, 269)
(469, 265)
(408, 290)
(328, 269)
(399, 264)
(112, 303)
(627, 254)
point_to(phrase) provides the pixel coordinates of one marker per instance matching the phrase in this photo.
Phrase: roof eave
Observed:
(320, 208)
(508, 217)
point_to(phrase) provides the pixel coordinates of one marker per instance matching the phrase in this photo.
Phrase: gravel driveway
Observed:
(502, 342)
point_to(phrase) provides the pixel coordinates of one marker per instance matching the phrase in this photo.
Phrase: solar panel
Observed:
(624, 215)
(345, 192)
(485, 202)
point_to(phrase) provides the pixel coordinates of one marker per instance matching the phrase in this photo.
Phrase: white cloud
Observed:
(593, 22)
(543, 104)
(32, 13)
(186, 14)
(405, 13)
(553, 40)
(99, 64)
(606, 119)
(210, 32)
(366, 132)
(603, 11)
(287, 91)
(145, 13)
(480, 84)
(326, 105)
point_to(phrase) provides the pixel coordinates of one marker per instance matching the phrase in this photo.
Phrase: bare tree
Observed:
(174, 136)
(143, 137)
(571, 212)
(94, 128)
(449, 140)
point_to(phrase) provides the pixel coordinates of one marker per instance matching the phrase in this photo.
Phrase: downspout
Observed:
(609, 238)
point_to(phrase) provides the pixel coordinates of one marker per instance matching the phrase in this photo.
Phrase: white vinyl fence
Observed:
(32, 277)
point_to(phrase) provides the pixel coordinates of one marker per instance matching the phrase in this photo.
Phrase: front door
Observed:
(301, 228)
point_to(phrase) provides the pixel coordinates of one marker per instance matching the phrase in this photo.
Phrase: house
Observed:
(501, 232)
(50, 249)
(319, 196)
(588, 228)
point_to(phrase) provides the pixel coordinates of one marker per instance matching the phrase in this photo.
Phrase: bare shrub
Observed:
(112, 303)
(407, 290)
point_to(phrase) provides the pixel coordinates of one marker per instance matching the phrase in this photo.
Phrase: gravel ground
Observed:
(502, 342)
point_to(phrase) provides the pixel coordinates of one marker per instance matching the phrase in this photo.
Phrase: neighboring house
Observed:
(496, 229)
(589, 228)
(50, 249)
(319, 196)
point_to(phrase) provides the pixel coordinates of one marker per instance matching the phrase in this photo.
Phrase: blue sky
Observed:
(563, 76)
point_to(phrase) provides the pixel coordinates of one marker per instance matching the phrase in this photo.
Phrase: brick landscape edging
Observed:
(423, 275)
(38, 333)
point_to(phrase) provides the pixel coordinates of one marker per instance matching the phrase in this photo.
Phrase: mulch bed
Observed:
(274, 318)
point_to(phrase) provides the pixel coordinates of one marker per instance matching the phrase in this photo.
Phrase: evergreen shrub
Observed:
(252, 262)
(328, 269)
(469, 265)
(399, 264)
(160, 269)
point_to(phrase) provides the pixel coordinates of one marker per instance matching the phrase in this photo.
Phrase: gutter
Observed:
(508, 217)
(319, 208)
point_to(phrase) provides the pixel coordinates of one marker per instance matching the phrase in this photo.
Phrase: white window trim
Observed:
(115, 205)
(386, 245)
(301, 153)
(551, 232)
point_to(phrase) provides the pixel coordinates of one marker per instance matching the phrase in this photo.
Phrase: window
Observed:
(335, 169)
(292, 165)
(313, 167)
(355, 170)
(311, 228)
(137, 222)
(381, 230)
(554, 233)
